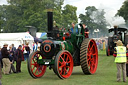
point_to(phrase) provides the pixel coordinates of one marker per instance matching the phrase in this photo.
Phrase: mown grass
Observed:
(105, 75)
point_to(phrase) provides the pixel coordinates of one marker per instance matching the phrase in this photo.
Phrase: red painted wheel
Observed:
(89, 56)
(36, 70)
(107, 51)
(63, 64)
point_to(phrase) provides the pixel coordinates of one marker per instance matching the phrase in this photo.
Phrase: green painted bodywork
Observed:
(69, 44)
(44, 61)
(77, 38)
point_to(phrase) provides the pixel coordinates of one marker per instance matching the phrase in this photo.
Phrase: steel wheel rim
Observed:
(92, 56)
(36, 69)
(65, 64)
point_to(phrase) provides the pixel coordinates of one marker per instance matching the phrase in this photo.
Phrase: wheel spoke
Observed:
(64, 71)
(68, 66)
(60, 71)
(91, 66)
(92, 63)
(91, 69)
(64, 55)
(61, 66)
(94, 54)
(91, 47)
(89, 53)
(92, 59)
(67, 58)
(60, 62)
(36, 70)
(69, 61)
(62, 59)
(89, 59)
(33, 60)
(33, 64)
(33, 68)
(89, 63)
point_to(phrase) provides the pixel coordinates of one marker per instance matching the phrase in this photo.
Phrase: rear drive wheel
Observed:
(89, 56)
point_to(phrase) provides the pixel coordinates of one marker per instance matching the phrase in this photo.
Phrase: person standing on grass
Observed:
(23, 47)
(120, 54)
(5, 59)
(35, 46)
(13, 51)
(1, 58)
(13, 48)
(127, 62)
(26, 52)
(11, 58)
(18, 54)
(0, 74)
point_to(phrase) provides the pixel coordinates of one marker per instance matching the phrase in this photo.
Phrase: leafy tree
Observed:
(0, 22)
(69, 15)
(86, 18)
(94, 19)
(123, 11)
(19, 14)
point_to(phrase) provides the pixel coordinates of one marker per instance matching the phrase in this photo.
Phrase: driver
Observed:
(86, 33)
(72, 29)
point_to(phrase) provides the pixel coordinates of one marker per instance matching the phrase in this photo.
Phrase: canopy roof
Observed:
(15, 36)
(119, 29)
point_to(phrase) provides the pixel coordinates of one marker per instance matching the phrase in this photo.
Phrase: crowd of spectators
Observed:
(10, 55)
(101, 44)
(13, 55)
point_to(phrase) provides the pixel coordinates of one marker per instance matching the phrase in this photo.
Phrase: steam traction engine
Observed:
(119, 34)
(61, 51)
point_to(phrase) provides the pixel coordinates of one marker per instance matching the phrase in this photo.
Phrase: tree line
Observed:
(21, 13)
(18, 14)
(123, 11)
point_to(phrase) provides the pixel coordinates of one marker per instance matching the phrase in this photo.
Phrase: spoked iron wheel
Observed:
(89, 56)
(107, 51)
(36, 70)
(63, 64)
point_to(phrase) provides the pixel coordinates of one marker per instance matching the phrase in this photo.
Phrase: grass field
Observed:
(105, 75)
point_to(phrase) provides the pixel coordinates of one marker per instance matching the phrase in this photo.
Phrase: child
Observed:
(12, 61)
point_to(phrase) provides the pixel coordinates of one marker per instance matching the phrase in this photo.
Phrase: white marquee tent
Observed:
(16, 39)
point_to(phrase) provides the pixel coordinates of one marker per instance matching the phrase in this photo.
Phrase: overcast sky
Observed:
(3, 2)
(110, 6)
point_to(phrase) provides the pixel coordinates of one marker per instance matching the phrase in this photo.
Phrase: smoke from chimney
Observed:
(118, 20)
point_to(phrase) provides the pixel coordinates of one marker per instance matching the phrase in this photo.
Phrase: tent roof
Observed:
(15, 36)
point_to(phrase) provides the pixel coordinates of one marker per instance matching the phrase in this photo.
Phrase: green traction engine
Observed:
(62, 50)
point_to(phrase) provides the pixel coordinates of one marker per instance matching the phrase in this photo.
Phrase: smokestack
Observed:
(50, 20)
(115, 30)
